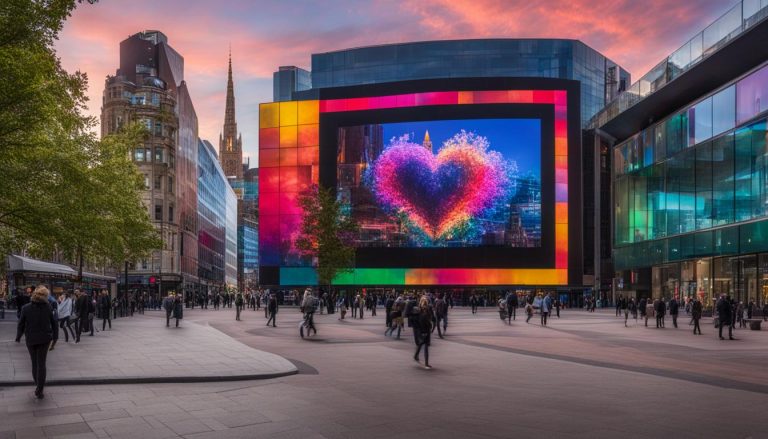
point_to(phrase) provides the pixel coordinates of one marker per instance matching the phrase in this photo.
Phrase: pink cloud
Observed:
(265, 35)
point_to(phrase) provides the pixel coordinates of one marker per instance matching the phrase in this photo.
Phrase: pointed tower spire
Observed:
(230, 144)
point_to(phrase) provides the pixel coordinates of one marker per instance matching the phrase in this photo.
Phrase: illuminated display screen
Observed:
(443, 183)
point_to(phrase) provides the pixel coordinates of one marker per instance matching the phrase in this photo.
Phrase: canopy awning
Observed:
(21, 263)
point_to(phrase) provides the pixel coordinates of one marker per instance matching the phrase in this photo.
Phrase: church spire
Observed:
(230, 143)
(229, 116)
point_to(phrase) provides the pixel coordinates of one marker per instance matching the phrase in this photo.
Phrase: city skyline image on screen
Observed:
(443, 183)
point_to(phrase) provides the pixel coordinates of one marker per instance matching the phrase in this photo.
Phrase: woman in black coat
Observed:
(422, 330)
(38, 326)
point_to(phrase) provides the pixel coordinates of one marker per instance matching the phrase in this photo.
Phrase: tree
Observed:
(61, 189)
(326, 234)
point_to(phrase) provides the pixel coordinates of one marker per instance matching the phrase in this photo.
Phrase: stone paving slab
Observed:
(140, 349)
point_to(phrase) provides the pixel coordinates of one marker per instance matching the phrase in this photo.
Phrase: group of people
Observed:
(727, 312)
(42, 315)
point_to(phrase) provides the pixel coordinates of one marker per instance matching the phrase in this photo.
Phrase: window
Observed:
(158, 128)
(700, 122)
(138, 155)
(158, 212)
(171, 160)
(158, 182)
(147, 123)
(722, 180)
(170, 214)
(704, 186)
(159, 154)
(146, 181)
(170, 184)
(723, 110)
(155, 99)
(752, 95)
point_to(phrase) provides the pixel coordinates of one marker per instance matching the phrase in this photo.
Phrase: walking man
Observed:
(661, 309)
(168, 304)
(546, 306)
(674, 308)
(105, 306)
(696, 310)
(724, 315)
(511, 307)
(239, 301)
(441, 314)
(272, 308)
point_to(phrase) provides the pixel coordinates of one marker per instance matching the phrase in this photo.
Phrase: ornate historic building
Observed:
(230, 142)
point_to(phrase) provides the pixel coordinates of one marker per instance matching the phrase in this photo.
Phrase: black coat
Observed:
(37, 324)
(674, 307)
(661, 308)
(423, 326)
(272, 305)
(105, 305)
(82, 306)
(724, 311)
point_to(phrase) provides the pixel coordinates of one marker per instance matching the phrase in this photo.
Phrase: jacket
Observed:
(724, 311)
(65, 308)
(272, 305)
(105, 305)
(37, 324)
(674, 307)
(696, 310)
(82, 306)
(178, 309)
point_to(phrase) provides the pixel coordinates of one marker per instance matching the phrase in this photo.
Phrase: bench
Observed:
(754, 324)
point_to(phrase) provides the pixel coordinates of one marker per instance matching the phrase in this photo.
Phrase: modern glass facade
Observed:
(601, 79)
(212, 216)
(230, 236)
(690, 190)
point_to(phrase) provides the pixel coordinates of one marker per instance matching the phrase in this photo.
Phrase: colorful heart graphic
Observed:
(443, 191)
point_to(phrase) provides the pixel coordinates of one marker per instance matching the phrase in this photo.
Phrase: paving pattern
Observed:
(583, 376)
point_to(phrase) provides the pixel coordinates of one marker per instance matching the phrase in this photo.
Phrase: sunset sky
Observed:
(637, 34)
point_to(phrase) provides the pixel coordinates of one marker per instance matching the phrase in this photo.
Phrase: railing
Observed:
(733, 23)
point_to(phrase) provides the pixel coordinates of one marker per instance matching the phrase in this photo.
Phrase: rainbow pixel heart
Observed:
(439, 192)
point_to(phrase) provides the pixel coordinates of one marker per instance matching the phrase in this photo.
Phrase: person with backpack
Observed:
(239, 301)
(422, 330)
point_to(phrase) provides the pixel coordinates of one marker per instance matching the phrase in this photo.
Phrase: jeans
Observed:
(65, 324)
(426, 352)
(696, 326)
(238, 308)
(659, 321)
(168, 318)
(273, 319)
(730, 330)
(38, 354)
(106, 320)
(674, 320)
(511, 311)
(544, 316)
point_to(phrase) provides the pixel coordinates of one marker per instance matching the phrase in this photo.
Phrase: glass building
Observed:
(212, 219)
(690, 187)
(601, 79)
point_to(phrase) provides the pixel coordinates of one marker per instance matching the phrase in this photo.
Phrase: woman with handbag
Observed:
(38, 325)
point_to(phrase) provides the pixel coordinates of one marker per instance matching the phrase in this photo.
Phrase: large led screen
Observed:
(443, 183)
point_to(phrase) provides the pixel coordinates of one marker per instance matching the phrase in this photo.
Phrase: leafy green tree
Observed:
(326, 234)
(61, 189)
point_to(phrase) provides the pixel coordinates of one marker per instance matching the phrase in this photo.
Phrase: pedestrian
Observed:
(374, 303)
(750, 309)
(740, 315)
(168, 304)
(661, 309)
(239, 301)
(765, 311)
(618, 305)
(361, 305)
(473, 303)
(528, 312)
(105, 307)
(557, 306)
(624, 306)
(178, 309)
(65, 312)
(272, 307)
(22, 299)
(696, 311)
(724, 316)
(633, 309)
(546, 306)
(390, 302)
(37, 324)
(81, 313)
(649, 311)
(343, 305)
(674, 309)
(511, 307)
(422, 330)
(397, 319)
(441, 315)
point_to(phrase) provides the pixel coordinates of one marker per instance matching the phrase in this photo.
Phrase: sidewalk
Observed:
(141, 349)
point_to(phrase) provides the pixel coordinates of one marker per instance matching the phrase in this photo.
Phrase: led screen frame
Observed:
(562, 98)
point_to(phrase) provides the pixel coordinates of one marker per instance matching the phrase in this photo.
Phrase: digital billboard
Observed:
(453, 182)
(442, 183)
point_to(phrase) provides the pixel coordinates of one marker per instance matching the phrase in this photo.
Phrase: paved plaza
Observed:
(583, 376)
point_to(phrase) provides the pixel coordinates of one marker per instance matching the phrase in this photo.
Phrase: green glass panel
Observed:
(298, 276)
